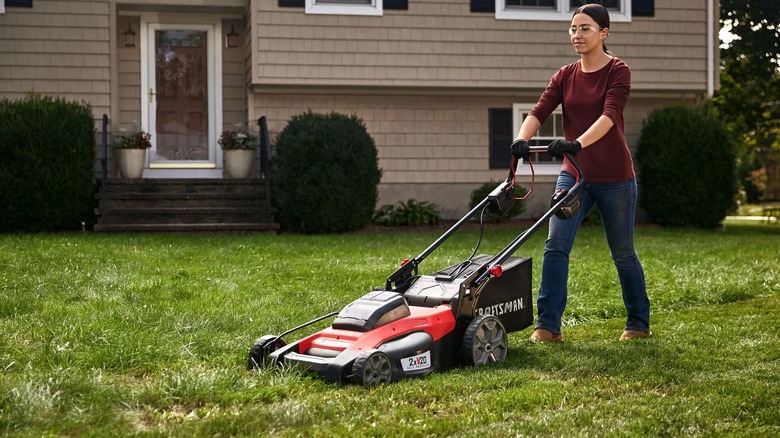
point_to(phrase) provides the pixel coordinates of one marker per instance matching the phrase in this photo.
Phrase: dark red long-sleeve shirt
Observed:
(585, 97)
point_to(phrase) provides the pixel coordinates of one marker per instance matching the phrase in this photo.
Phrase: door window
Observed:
(182, 106)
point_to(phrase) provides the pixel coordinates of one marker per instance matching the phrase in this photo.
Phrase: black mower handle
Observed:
(524, 236)
(541, 149)
(409, 268)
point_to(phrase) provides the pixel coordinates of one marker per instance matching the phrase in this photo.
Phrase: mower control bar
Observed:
(524, 236)
(409, 269)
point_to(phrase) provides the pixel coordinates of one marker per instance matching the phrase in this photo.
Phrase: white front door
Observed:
(180, 91)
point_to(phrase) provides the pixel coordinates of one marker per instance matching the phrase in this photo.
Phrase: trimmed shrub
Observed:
(492, 215)
(46, 174)
(326, 174)
(687, 168)
(411, 212)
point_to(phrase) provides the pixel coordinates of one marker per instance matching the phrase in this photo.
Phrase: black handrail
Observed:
(265, 161)
(103, 164)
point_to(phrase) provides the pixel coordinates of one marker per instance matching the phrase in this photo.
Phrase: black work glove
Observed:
(559, 147)
(520, 149)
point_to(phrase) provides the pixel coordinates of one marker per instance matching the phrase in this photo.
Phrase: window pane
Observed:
(551, 130)
(531, 3)
(547, 129)
(344, 2)
(182, 105)
(558, 118)
(609, 4)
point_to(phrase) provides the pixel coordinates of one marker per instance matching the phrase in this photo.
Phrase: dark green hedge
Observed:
(325, 174)
(47, 147)
(687, 168)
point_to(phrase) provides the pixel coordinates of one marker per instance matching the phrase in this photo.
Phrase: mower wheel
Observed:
(484, 341)
(258, 354)
(372, 367)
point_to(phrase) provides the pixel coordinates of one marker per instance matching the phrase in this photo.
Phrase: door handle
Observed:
(152, 95)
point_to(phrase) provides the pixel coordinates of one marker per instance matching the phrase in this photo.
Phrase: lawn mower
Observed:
(418, 324)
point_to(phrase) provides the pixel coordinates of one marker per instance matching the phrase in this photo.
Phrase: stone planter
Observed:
(238, 162)
(131, 162)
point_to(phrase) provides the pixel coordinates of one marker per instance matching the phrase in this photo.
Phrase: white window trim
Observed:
(540, 167)
(2, 7)
(317, 7)
(562, 14)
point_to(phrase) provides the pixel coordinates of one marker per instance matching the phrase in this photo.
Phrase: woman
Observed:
(593, 92)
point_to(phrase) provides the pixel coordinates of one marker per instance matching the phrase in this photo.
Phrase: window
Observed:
(504, 125)
(344, 7)
(613, 5)
(15, 4)
(531, 3)
(551, 130)
(558, 10)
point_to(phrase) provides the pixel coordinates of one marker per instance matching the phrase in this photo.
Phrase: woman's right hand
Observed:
(520, 149)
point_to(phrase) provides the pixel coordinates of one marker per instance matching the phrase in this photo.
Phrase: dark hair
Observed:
(599, 14)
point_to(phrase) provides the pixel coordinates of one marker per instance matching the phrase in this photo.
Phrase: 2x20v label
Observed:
(418, 362)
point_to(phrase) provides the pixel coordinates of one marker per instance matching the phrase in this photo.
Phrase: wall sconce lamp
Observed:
(129, 36)
(231, 39)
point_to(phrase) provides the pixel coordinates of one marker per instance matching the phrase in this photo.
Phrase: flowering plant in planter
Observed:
(131, 144)
(126, 139)
(236, 139)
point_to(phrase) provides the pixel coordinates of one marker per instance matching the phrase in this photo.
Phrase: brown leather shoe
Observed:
(544, 335)
(634, 334)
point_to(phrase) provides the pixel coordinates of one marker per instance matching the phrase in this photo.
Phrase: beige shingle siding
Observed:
(233, 77)
(439, 43)
(420, 139)
(668, 51)
(129, 74)
(57, 48)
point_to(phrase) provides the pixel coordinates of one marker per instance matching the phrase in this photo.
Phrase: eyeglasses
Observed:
(585, 29)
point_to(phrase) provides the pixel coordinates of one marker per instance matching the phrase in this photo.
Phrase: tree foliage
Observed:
(748, 100)
(749, 96)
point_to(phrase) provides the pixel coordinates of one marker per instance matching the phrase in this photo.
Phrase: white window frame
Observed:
(335, 7)
(563, 12)
(2, 7)
(540, 167)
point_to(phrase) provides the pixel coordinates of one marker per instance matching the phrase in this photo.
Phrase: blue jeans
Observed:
(617, 205)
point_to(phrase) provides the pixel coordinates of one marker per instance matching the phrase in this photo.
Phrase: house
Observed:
(442, 85)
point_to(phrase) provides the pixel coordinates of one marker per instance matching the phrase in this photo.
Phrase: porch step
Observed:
(187, 228)
(185, 205)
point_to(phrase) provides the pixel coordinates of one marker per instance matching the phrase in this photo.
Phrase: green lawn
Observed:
(105, 335)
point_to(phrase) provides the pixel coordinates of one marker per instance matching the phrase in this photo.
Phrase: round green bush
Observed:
(491, 214)
(47, 171)
(687, 168)
(326, 174)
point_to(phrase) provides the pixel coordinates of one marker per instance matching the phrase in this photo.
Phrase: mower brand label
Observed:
(501, 308)
(419, 362)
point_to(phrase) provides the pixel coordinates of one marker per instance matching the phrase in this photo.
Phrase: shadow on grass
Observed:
(693, 344)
